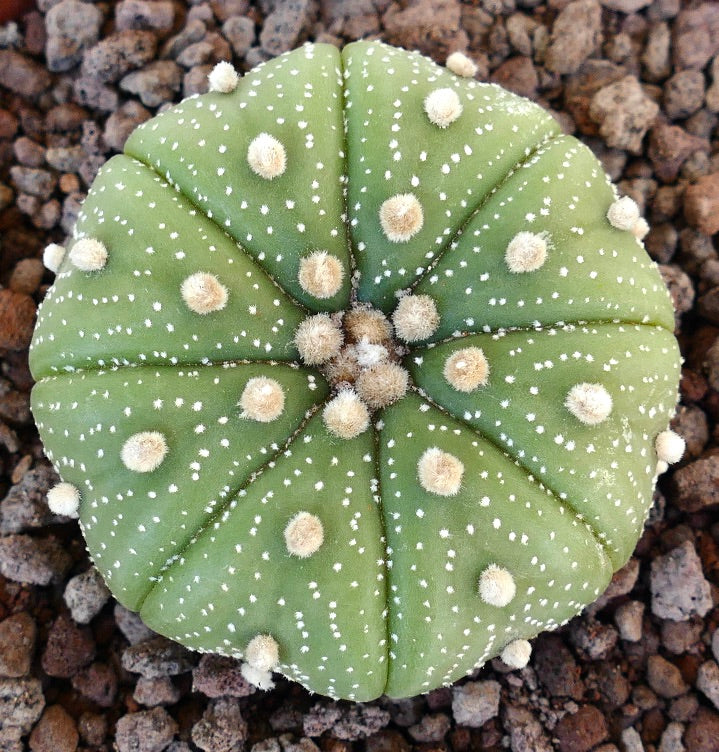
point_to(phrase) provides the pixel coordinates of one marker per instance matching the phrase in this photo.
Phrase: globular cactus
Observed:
(357, 369)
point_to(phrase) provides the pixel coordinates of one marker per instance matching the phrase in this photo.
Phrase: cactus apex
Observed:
(382, 384)
(318, 339)
(345, 415)
(591, 404)
(64, 498)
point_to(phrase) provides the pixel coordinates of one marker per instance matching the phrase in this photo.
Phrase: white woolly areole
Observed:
(53, 256)
(466, 369)
(345, 415)
(443, 107)
(203, 293)
(526, 252)
(670, 446)
(64, 498)
(640, 229)
(496, 586)
(304, 534)
(623, 213)
(318, 339)
(401, 217)
(144, 452)
(223, 78)
(89, 255)
(440, 472)
(415, 318)
(262, 399)
(262, 652)
(321, 274)
(266, 156)
(257, 678)
(662, 467)
(369, 354)
(461, 65)
(591, 404)
(517, 653)
(382, 384)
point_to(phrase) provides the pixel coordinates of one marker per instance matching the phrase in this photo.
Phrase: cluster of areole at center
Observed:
(359, 352)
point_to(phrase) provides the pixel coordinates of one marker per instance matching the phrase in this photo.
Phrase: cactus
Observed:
(356, 369)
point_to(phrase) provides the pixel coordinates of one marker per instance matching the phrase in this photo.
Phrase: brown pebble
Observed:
(8, 124)
(664, 677)
(21, 468)
(219, 675)
(55, 732)
(580, 731)
(26, 276)
(69, 183)
(38, 561)
(556, 668)
(92, 728)
(69, 648)
(29, 152)
(703, 732)
(22, 75)
(146, 731)
(157, 691)
(701, 204)
(697, 484)
(17, 644)
(97, 682)
(669, 147)
(17, 317)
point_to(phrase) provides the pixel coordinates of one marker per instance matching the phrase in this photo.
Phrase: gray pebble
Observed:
(631, 741)
(118, 54)
(359, 722)
(72, 27)
(122, 122)
(28, 152)
(433, 727)
(193, 31)
(284, 25)
(240, 33)
(21, 703)
(38, 561)
(93, 93)
(525, 731)
(678, 585)
(130, 624)
(17, 644)
(626, 6)
(25, 505)
(708, 681)
(156, 83)
(683, 94)
(226, 9)
(146, 731)
(195, 54)
(303, 744)
(628, 618)
(65, 158)
(157, 656)
(715, 643)
(474, 703)
(671, 740)
(595, 639)
(221, 728)
(271, 744)
(142, 14)
(85, 595)
(157, 691)
(696, 483)
(22, 75)
(11, 739)
(321, 717)
(71, 207)
(575, 35)
(195, 80)
(656, 55)
(36, 182)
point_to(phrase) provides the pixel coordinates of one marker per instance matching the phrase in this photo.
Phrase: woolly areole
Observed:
(356, 370)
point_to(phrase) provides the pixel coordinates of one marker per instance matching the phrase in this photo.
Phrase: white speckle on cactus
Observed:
(266, 156)
(415, 318)
(517, 653)
(262, 399)
(321, 274)
(591, 404)
(304, 534)
(623, 213)
(669, 446)
(467, 369)
(382, 384)
(318, 339)
(89, 255)
(223, 78)
(262, 652)
(203, 293)
(144, 452)
(64, 498)
(526, 252)
(640, 229)
(370, 354)
(443, 107)
(401, 217)
(461, 65)
(439, 472)
(345, 415)
(497, 586)
(53, 256)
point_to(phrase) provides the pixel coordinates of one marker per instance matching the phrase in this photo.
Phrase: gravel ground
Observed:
(639, 82)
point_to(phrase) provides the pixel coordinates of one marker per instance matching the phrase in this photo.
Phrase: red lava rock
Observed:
(38, 561)
(669, 147)
(92, 728)
(98, 682)
(159, 691)
(17, 644)
(556, 668)
(577, 32)
(55, 732)
(219, 675)
(17, 318)
(146, 731)
(22, 75)
(703, 732)
(525, 731)
(68, 649)
(664, 677)
(701, 204)
(222, 727)
(697, 484)
(519, 75)
(580, 731)
(431, 728)
(431, 26)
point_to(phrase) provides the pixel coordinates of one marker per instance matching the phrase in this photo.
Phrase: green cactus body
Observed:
(358, 371)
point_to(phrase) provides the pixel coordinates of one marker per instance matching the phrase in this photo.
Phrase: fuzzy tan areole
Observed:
(356, 369)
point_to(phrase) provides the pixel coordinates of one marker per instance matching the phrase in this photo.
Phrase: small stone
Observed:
(25, 504)
(222, 727)
(123, 122)
(669, 148)
(628, 618)
(68, 649)
(240, 33)
(519, 75)
(158, 15)
(146, 731)
(359, 722)
(678, 585)
(98, 682)
(624, 113)
(576, 34)
(218, 676)
(613, 686)
(17, 644)
(55, 732)
(85, 595)
(681, 636)
(320, 718)
(684, 708)
(697, 484)
(26, 276)
(631, 741)
(72, 27)
(703, 732)
(474, 703)
(65, 158)
(158, 691)
(92, 728)
(284, 25)
(656, 56)
(626, 6)
(525, 731)
(683, 94)
(21, 703)
(193, 31)
(118, 54)
(22, 75)
(580, 731)
(195, 81)
(32, 180)
(157, 656)
(431, 728)
(701, 204)
(671, 739)
(156, 83)
(715, 643)
(696, 36)
(593, 638)
(130, 624)
(556, 667)
(664, 677)
(93, 93)
(38, 561)
(708, 681)
(28, 152)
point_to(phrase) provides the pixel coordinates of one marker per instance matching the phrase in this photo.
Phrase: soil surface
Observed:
(638, 81)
